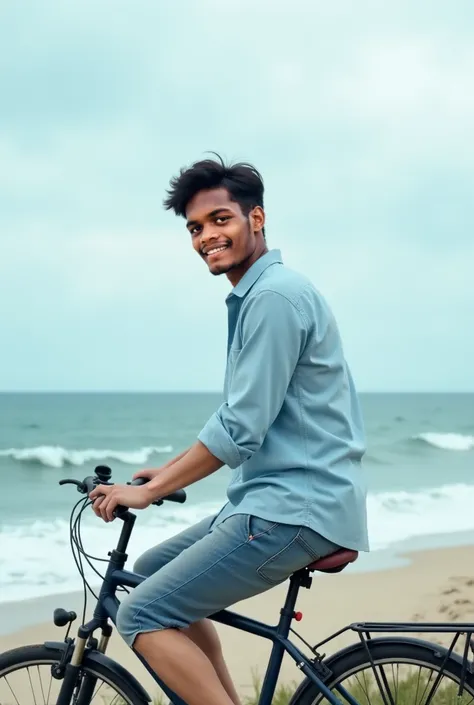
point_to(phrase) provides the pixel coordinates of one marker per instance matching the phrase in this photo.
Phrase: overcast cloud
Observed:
(359, 115)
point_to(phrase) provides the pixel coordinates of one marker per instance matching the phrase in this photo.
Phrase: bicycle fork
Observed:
(72, 681)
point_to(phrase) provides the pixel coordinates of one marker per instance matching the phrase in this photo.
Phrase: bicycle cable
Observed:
(78, 551)
(88, 556)
(78, 541)
(78, 559)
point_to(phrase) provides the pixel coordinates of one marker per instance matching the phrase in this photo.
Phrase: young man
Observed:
(289, 428)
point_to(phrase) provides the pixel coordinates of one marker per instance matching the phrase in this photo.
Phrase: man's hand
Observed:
(108, 497)
(147, 474)
(151, 473)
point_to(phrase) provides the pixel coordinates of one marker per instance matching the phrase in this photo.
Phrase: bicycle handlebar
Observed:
(102, 477)
(178, 496)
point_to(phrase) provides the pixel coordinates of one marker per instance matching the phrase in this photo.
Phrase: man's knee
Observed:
(134, 618)
(127, 624)
(151, 561)
(138, 613)
(143, 565)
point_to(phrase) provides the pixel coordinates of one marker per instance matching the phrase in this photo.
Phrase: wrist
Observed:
(153, 490)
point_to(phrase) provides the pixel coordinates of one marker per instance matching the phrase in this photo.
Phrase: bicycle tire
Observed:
(410, 652)
(35, 655)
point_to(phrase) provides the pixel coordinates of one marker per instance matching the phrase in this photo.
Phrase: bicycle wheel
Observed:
(26, 679)
(406, 673)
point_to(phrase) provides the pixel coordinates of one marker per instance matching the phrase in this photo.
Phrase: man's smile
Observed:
(215, 250)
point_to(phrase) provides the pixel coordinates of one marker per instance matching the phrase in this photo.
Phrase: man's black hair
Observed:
(242, 181)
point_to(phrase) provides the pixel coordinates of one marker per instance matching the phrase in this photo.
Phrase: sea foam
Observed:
(58, 457)
(447, 441)
(36, 557)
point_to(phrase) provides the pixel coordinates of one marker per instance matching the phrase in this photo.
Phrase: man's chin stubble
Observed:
(221, 270)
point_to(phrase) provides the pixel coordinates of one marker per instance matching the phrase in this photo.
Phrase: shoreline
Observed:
(435, 584)
(30, 611)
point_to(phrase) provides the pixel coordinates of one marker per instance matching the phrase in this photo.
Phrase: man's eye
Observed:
(222, 219)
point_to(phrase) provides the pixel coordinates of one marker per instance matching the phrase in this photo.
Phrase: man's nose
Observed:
(208, 234)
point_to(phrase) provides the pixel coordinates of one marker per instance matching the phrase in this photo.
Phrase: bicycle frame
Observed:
(108, 604)
(313, 667)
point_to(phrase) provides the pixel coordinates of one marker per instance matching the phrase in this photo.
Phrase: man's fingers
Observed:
(103, 508)
(100, 490)
(106, 508)
(99, 495)
(100, 507)
(96, 505)
(104, 501)
(111, 506)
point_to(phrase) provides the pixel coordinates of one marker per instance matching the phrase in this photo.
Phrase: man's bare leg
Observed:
(183, 666)
(204, 635)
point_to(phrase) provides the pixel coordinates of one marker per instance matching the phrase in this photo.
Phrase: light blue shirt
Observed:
(290, 426)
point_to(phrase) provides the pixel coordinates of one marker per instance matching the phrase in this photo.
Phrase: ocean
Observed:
(419, 466)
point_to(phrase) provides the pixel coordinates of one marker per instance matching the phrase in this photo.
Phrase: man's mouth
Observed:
(216, 250)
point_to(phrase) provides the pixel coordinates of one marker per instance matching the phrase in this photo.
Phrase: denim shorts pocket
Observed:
(316, 546)
(301, 547)
(257, 527)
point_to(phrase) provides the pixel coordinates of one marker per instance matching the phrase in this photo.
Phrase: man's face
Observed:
(220, 232)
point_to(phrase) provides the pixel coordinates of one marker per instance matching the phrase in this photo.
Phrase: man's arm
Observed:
(150, 473)
(175, 460)
(274, 334)
(195, 464)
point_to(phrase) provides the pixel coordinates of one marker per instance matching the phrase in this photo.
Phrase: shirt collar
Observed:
(255, 271)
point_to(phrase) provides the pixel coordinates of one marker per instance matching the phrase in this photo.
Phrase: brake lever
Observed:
(83, 486)
(79, 484)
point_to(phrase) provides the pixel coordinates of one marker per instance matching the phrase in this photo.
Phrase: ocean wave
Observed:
(36, 559)
(58, 457)
(398, 516)
(447, 441)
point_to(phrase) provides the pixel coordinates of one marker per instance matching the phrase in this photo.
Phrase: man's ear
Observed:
(257, 218)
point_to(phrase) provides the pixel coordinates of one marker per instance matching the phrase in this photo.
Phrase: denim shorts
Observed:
(209, 567)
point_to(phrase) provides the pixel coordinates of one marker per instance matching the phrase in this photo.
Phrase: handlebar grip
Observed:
(139, 481)
(179, 496)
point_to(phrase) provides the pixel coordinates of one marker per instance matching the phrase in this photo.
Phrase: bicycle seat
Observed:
(335, 562)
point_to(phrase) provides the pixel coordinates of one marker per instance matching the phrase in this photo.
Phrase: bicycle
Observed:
(77, 665)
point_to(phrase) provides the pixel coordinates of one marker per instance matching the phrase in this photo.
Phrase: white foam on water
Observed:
(35, 558)
(58, 457)
(447, 441)
(397, 516)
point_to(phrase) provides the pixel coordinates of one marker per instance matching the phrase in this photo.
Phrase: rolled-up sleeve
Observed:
(274, 334)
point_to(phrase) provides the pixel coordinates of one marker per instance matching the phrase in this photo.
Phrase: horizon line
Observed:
(213, 391)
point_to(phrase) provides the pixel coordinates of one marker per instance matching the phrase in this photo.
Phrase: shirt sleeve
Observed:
(274, 334)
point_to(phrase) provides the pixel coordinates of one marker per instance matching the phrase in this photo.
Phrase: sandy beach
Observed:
(436, 585)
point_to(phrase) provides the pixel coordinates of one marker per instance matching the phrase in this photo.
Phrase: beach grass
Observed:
(411, 690)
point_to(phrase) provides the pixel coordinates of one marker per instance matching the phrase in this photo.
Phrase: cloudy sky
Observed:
(360, 117)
